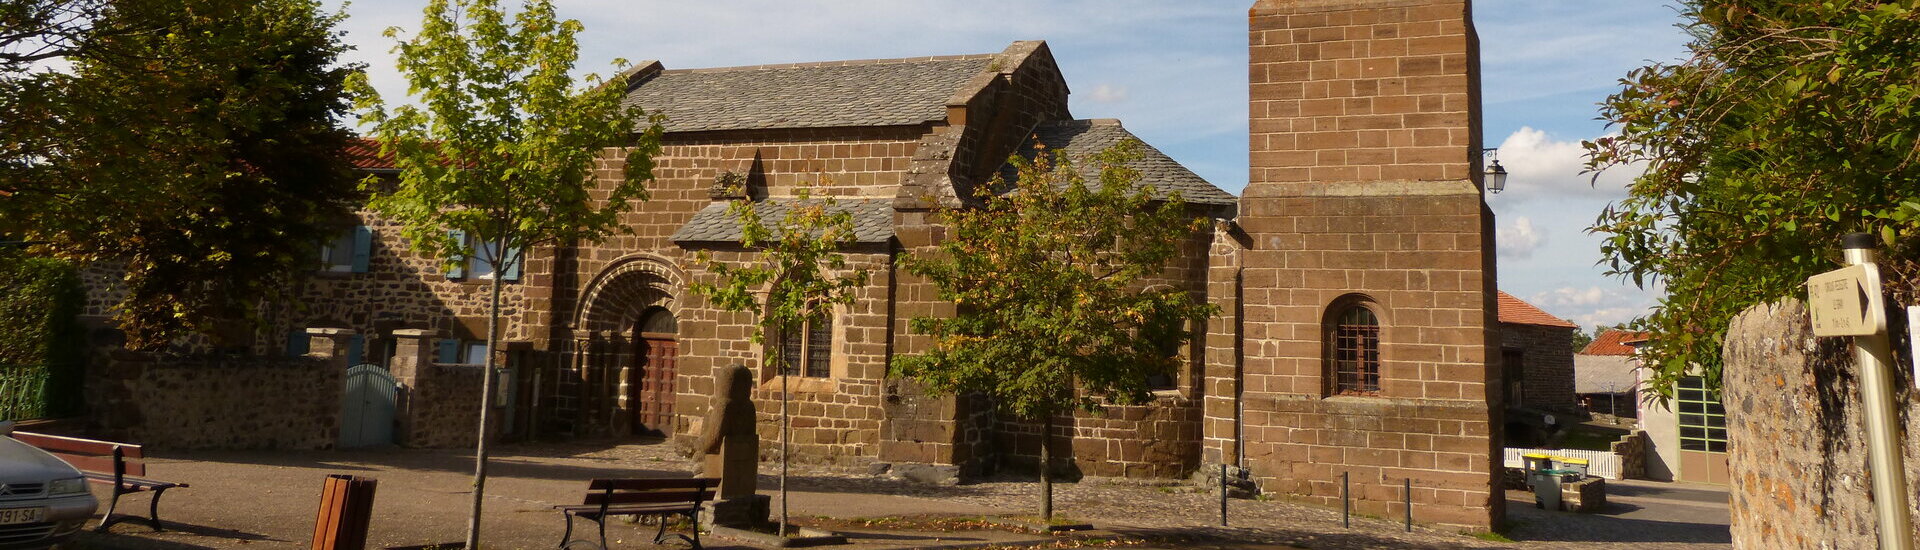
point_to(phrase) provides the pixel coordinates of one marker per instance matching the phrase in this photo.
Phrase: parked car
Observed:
(43, 500)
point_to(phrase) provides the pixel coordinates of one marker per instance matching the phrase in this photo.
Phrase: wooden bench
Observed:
(662, 499)
(105, 462)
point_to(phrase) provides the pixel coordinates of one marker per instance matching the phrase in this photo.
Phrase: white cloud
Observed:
(1108, 93)
(1595, 305)
(1540, 167)
(1519, 239)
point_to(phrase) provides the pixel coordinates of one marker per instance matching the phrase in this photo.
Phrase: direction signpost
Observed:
(1847, 302)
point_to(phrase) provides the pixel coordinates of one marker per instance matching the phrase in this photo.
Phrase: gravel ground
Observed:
(266, 499)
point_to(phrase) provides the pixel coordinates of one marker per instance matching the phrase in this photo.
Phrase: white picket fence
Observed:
(1599, 463)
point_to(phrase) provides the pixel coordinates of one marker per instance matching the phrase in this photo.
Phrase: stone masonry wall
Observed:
(1796, 445)
(283, 403)
(1364, 190)
(1547, 359)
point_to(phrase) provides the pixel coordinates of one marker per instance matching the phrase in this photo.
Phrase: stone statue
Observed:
(728, 439)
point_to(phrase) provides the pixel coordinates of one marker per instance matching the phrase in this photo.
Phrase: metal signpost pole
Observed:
(1871, 352)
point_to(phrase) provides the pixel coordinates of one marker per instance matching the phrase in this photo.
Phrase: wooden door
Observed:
(653, 395)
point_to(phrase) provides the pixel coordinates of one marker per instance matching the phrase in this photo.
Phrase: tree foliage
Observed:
(40, 301)
(194, 143)
(502, 148)
(798, 273)
(1051, 277)
(1791, 124)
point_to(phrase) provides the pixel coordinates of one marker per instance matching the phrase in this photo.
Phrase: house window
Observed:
(1169, 348)
(348, 251)
(461, 352)
(1703, 420)
(1356, 352)
(481, 266)
(811, 346)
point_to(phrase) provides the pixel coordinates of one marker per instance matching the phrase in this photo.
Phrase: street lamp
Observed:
(1496, 175)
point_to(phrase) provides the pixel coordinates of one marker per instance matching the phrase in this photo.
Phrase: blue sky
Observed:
(1175, 73)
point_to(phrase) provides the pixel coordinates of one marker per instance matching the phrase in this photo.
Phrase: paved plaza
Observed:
(268, 499)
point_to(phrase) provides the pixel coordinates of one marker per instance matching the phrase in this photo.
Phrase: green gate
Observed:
(366, 415)
(23, 392)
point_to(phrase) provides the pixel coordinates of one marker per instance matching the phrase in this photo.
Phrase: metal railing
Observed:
(23, 391)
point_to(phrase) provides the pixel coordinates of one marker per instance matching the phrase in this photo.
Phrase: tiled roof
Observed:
(365, 155)
(1614, 342)
(872, 220)
(1080, 138)
(1519, 312)
(887, 92)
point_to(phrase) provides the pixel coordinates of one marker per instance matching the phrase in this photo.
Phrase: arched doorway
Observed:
(654, 350)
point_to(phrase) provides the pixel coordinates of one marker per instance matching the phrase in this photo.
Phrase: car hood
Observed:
(22, 463)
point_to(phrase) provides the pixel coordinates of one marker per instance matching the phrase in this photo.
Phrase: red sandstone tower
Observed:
(1367, 299)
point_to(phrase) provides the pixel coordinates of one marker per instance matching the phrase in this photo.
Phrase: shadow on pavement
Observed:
(1229, 538)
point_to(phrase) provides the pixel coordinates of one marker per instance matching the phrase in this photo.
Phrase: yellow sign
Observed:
(1846, 302)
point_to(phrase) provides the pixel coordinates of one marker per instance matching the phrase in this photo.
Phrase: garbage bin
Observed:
(1576, 465)
(1535, 462)
(1546, 488)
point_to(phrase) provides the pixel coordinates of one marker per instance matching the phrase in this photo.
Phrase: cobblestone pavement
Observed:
(267, 500)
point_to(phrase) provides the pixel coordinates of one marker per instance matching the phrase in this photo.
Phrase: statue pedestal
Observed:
(738, 512)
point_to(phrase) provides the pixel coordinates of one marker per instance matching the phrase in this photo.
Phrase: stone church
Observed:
(1355, 273)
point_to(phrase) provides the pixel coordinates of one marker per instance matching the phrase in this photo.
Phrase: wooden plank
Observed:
(644, 484)
(648, 497)
(73, 444)
(88, 463)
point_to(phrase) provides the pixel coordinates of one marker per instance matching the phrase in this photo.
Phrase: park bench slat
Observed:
(107, 463)
(640, 497)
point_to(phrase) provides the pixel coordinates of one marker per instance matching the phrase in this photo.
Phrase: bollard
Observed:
(1346, 509)
(1406, 494)
(346, 503)
(1223, 495)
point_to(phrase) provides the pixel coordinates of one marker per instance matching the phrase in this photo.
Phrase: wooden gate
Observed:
(366, 415)
(653, 396)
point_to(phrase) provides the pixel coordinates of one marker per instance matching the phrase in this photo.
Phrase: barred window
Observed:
(812, 346)
(1356, 352)
(1703, 420)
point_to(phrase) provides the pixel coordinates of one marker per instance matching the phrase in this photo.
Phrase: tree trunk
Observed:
(486, 394)
(1046, 468)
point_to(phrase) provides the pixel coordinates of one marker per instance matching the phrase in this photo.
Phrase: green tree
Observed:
(501, 149)
(797, 274)
(200, 154)
(1049, 275)
(1791, 124)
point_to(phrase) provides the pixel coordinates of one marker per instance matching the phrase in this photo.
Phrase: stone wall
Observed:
(1158, 440)
(1546, 365)
(1796, 446)
(1364, 190)
(285, 403)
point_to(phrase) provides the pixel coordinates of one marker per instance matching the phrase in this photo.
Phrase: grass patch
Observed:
(1589, 440)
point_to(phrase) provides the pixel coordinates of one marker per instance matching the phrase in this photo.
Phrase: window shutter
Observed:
(449, 352)
(512, 261)
(362, 248)
(459, 269)
(356, 348)
(297, 343)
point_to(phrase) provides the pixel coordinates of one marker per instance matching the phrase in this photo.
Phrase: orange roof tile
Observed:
(365, 154)
(1516, 311)
(1614, 342)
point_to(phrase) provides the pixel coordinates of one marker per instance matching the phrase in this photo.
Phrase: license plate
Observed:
(14, 516)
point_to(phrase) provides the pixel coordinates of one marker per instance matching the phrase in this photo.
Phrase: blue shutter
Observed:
(449, 352)
(512, 263)
(356, 348)
(297, 342)
(459, 268)
(362, 248)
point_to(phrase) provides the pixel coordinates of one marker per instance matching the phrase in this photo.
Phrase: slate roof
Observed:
(872, 220)
(1614, 342)
(883, 92)
(1604, 374)
(1519, 312)
(1080, 138)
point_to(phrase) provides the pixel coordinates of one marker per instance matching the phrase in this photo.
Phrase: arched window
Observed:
(811, 346)
(1356, 351)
